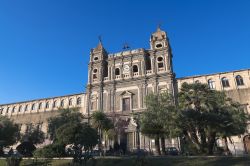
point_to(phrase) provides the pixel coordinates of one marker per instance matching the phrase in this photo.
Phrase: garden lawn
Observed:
(149, 161)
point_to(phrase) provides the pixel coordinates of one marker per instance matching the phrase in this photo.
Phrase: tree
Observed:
(69, 128)
(65, 116)
(8, 133)
(204, 114)
(34, 135)
(29, 139)
(234, 123)
(158, 121)
(103, 124)
(81, 135)
(50, 151)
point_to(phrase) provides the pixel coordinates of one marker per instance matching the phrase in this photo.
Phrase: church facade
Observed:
(118, 84)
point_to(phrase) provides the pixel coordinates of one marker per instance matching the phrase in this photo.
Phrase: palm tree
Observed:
(103, 124)
(206, 114)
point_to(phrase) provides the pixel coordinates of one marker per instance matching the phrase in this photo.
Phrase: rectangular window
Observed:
(126, 104)
(93, 105)
(211, 84)
(160, 65)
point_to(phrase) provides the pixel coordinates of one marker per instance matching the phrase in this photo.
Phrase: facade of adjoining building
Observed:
(118, 84)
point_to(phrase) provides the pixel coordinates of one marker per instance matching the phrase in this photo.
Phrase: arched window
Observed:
(54, 104)
(117, 71)
(62, 103)
(160, 62)
(33, 107)
(211, 84)
(184, 84)
(94, 73)
(7, 111)
(26, 108)
(13, 109)
(135, 68)
(70, 102)
(40, 106)
(79, 101)
(239, 80)
(20, 108)
(158, 45)
(225, 82)
(47, 105)
(197, 82)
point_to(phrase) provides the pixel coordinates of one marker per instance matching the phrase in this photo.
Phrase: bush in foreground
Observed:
(50, 151)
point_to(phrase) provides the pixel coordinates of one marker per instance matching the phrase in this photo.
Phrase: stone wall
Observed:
(37, 112)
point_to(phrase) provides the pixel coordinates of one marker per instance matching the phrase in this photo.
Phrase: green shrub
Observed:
(50, 151)
(13, 161)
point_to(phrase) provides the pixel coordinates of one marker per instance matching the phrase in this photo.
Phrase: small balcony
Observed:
(136, 74)
(148, 72)
(125, 75)
(117, 77)
(160, 69)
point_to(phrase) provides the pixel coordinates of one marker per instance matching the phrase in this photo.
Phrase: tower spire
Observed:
(159, 27)
(99, 46)
(100, 39)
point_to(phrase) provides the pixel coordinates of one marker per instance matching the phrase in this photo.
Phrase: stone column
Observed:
(141, 96)
(109, 100)
(131, 68)
(153, 64)
(143, 69)
(89, 75)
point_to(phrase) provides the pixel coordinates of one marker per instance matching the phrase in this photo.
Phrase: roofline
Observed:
(26, 101)
(212, 74)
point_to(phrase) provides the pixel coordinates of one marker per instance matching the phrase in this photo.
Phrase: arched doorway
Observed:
(246, 141)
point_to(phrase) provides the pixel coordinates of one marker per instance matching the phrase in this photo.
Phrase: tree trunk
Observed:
(211, 142)
(100, 142)
(1, 151)
(203, 142)
(157, 145)
(163, 149)
(226, 149)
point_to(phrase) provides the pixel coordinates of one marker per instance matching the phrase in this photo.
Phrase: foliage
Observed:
(50, 151)
(66, 116)
(69, 128)
(34, 135)
(100, 121)
(13, 161)
(159, 118)
(26, 148)
(77, 134)
(206, 114)
(104, 126)
(28, 140)
(81, 135)
(8, 133)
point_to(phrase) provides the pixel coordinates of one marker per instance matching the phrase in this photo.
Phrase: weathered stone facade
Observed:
(118, 84)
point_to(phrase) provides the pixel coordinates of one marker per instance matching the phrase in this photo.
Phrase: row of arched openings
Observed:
(47, 105)
(134, 69)
(225, 82)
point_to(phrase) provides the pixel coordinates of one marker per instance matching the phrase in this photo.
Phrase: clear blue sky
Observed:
(45, 44)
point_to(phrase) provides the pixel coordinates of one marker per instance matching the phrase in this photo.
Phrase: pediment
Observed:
(126, 93)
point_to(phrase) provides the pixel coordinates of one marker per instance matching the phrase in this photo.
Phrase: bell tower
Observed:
(97, 70)
(98, 64)
(161, 60)
(158, 39)
(159, 43)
